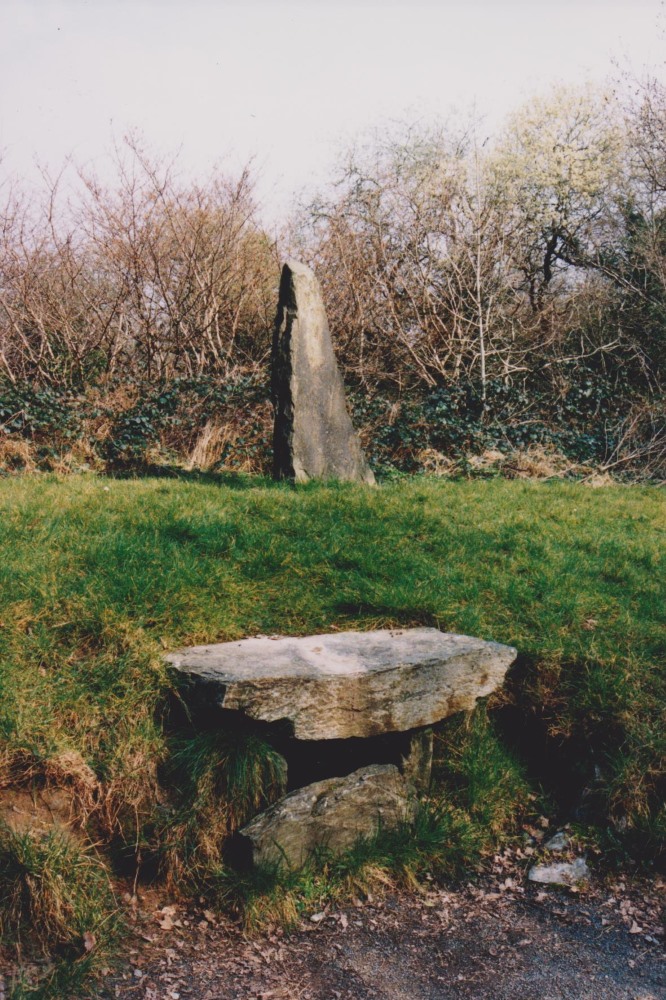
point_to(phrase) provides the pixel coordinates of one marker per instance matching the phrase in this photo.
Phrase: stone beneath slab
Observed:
(313, 436)
(331, 814)
(416, 764)
(347, 684)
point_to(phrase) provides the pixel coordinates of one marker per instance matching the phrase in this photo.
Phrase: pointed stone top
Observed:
(297, 267)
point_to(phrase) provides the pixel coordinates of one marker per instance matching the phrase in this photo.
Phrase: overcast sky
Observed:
(288, 82)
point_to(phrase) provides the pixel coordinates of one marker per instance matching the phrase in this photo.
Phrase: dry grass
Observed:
(539, 462)
(536, 462)
(81, 457)
(240, 444)
(209, 447)
(16, 455)
(68, 769)
(434, 463)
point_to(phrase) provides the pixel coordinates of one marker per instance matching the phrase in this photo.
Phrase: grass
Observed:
(220, 780)
(57, 902)
(99, 577)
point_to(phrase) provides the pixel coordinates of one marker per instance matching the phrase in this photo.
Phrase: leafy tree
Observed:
(558, 169)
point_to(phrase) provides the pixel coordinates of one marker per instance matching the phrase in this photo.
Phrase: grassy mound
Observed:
(99, 577)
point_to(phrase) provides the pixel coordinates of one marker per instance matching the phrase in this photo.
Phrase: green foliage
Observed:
(130, 422)
(45, 412)
(137, 429)
(223, 778)
(581, 419)
(582, 414)
(56, 899)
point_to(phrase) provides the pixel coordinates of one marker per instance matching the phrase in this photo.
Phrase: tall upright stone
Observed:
(313, 435)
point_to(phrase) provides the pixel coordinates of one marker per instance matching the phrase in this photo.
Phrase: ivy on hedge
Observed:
(577, 413)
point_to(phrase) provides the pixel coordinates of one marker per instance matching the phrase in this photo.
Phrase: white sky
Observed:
(288, 82)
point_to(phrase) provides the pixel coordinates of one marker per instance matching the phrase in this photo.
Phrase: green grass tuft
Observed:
(223, 779)
(475, 770)
(57, 906)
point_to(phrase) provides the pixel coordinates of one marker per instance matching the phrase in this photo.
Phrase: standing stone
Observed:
(313, 435)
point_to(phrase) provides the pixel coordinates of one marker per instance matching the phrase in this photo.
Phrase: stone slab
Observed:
(347, 684)
(333, 814)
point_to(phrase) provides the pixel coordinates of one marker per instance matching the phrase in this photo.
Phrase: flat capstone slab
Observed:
(347, 684)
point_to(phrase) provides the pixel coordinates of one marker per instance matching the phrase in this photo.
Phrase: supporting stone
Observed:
(313, 434)
(332, 814)
(417, 764)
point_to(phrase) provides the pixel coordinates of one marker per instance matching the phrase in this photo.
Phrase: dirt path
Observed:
(500, 938)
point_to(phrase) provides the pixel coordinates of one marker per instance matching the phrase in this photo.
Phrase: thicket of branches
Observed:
(150, 277)
(532, 266)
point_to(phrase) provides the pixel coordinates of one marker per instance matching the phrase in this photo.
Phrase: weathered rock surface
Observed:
(416, 765)
(313, 435)
(348, 684)
(563, 873)
(333, 814)
(559, 842)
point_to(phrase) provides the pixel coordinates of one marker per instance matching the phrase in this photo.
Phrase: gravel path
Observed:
(499, 938)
